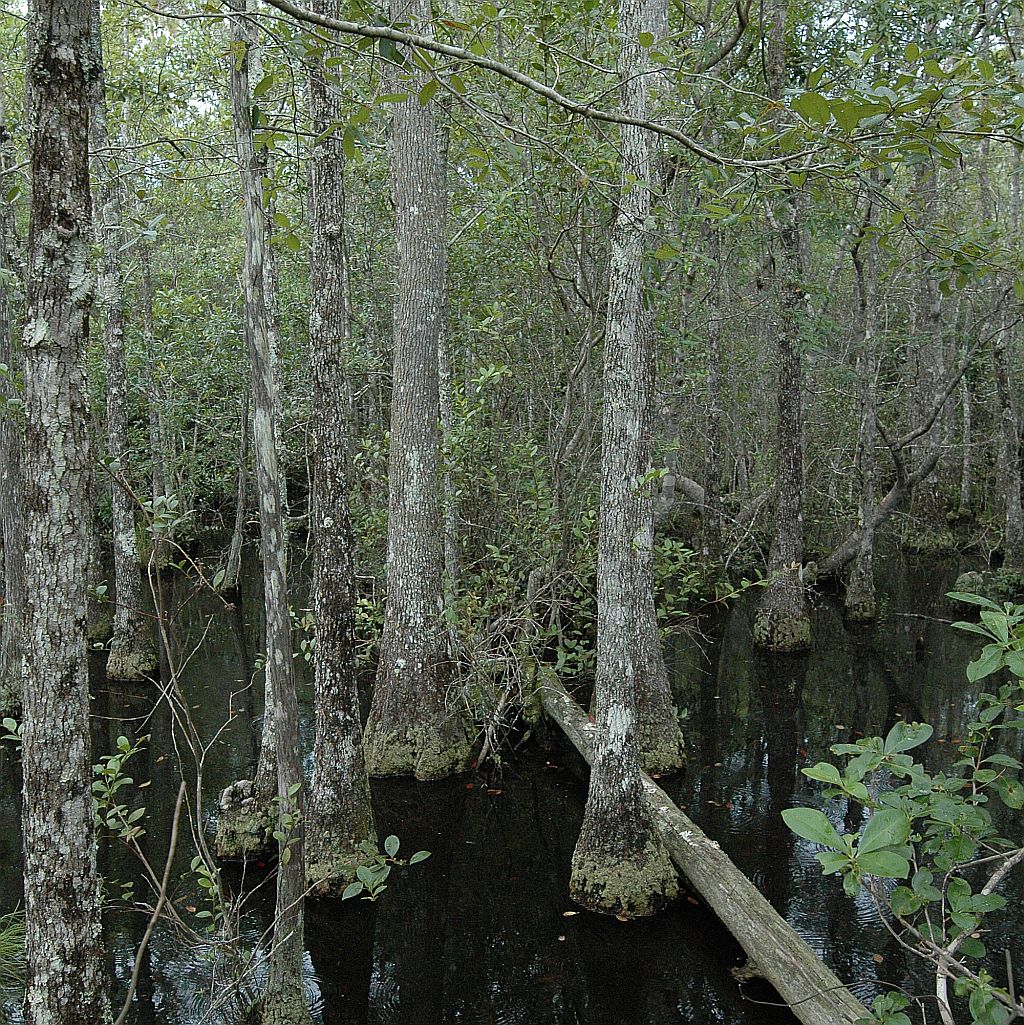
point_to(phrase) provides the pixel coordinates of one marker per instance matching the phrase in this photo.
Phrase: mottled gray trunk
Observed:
(245, 820)
(159, 482)
(233, 565)
(132, 650)
(340, 815)
(929, 342)
(711, 524)
(781, 623)
(860, 600)
(1009, 453)
(283, 1001)
(66, 966)
(11, 441)
(411, 730)
(620, 866)
(967, 445)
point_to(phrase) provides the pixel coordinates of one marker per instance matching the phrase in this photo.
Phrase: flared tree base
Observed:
(245, 824)
(332, 859)
(425, 750)
(282, 1008)
(635, 885)
(662, 751)
(131, 663)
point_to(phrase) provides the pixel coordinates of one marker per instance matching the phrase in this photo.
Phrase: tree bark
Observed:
(1009, 454)
(782, 622)
(233, 566)
(619, 865)
(160, 490)
(11, 441)
(284, 1000)
(861, 603)
(340, 815)
(132, 649)
(66, 968)
(410, 731)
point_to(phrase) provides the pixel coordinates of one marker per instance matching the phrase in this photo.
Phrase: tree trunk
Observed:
(861, 603)
(284, 1000)
(410, 730)
(11, 482)
(66, 966)
(782, 623)
(164, 505)
(233, 566)
(711, 524)
(340, 816)
(132, 649)
(619, 865)
(1009, 454)
(245, 818)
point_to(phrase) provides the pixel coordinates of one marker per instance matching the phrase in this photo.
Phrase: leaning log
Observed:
(814, 994)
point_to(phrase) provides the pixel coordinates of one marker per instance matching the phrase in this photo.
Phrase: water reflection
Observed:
(482, 933)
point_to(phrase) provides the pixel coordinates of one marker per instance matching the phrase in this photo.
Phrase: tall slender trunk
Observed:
(410, 730)
(66, 967)
(967, 444)
(711, 523)
(160, 490)
(619, 865)
(1009, 454)
(11, 482)
(233, 565)
(340, 816)
(860, 600)
(284, 1000)
(132, 649)
(782, 623)
(244, 821)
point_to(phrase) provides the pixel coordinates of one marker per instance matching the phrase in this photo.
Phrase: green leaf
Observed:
(352, 890)
(884, 864)
(812, 825)
(646, 40)
(887, 828)
(813, 107)
(430, 87)
(391, 846)
(905, 737)
(824, 772)
(418, 857)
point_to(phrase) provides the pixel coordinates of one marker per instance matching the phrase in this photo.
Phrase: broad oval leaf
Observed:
(812, 825)
(887, 828)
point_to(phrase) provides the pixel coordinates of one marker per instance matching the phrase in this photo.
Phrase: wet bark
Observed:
(619, 865)
(340, 815)
(782, 622)
(283, 1001)
(411, 730)
(132, 647)
(12, 521)
(66, 967)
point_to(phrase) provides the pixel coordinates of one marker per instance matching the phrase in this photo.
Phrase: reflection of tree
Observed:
(412, 916)
(340, 941)
(780, 693)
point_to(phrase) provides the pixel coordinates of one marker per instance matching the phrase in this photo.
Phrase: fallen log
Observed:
(813, 992)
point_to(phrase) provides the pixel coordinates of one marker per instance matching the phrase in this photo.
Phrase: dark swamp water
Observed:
(478, 934)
